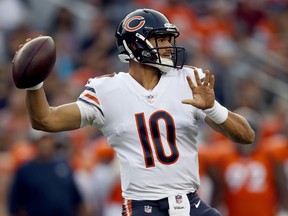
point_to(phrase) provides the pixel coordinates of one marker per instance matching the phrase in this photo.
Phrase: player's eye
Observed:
(164, 38)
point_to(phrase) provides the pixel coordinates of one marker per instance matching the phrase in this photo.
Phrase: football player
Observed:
(249, 180)
(149, 116)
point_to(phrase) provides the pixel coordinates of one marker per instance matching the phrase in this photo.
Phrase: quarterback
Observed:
(149, 116)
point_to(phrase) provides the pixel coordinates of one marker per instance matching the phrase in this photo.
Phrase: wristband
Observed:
(36, 87)
(217, 113)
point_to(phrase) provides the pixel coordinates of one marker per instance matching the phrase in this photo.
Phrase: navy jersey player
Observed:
(149, 116)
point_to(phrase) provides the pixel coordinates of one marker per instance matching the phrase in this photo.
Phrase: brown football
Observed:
(33, 62)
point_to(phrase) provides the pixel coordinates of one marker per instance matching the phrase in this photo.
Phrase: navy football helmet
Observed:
(132, 37)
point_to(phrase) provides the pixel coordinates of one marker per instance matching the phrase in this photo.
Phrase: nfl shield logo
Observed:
(178, 198)
(148, 209)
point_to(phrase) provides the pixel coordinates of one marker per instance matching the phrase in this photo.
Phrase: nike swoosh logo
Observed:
(197, 204)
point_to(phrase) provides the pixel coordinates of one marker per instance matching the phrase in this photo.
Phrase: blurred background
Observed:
(243, 42)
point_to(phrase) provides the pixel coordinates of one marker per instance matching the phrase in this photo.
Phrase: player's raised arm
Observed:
(228, 123)
(31, 65)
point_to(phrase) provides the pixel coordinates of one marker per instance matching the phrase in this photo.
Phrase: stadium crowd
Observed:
(243, 42)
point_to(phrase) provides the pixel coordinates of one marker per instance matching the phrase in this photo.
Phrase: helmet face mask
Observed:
(135, 32)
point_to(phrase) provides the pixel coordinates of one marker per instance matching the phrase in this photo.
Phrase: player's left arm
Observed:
(230, 124)
(235, 127)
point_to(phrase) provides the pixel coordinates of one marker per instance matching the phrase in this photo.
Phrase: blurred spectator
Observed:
(14, 120)
(97, 47)
(11, 158)
(249, 14)
(250, 94)
(107, 191)
(181, 14)
(63, 31)
(12, 14)
(45, 185)
(12, 39)
(99, 179)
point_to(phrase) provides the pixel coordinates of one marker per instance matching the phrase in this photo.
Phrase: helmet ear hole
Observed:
(146, 53)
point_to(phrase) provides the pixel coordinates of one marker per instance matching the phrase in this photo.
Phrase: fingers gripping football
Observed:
(33, 62)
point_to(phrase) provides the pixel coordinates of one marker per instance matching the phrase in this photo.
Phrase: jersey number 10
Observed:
(156, 138)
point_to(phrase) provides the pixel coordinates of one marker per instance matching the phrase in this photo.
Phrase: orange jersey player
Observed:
(278, 145)
(209, 154)
(250, 178)
(250, 187)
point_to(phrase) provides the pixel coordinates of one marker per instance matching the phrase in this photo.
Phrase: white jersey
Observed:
(153, 133)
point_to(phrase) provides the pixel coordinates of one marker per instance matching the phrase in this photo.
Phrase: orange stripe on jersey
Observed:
(127, 210)
(130, 207)
(92, 98)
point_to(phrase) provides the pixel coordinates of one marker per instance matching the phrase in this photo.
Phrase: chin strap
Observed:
(168, 65)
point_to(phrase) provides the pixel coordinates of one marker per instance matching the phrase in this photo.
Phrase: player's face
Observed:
(163, 41)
